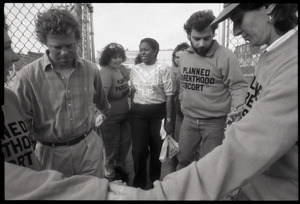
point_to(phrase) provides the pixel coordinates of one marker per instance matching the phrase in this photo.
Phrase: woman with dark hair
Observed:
(259, 155)
(153, 88)
(115, 130)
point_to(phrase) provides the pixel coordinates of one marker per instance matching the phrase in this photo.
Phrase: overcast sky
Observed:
(128, 23)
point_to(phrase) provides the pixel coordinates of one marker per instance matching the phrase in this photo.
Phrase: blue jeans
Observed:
(117, 140)
(198, 137)
(145, 122)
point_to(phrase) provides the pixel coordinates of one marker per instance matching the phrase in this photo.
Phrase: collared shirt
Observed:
(56, 108)
(152, 83)
(280, 40)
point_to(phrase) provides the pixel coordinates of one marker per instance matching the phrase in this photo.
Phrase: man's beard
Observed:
(201, 51)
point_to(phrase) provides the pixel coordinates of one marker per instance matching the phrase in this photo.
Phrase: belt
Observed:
(68, 142)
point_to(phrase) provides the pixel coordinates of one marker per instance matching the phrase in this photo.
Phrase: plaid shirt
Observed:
(57, 109)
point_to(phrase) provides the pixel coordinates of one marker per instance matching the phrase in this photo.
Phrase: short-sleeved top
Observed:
(116, 88)
(152, 83)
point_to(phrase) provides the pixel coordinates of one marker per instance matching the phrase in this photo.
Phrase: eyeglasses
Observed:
(114, 45)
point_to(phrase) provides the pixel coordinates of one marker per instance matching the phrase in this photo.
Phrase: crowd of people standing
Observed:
(84, 119)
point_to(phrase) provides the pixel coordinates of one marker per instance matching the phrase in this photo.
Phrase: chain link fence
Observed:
(20, 19)
(247, 55)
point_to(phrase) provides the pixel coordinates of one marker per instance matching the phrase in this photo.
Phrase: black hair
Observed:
(199, 21)
(179, 47)
(153, 44)
(56, 21)
(111, 50)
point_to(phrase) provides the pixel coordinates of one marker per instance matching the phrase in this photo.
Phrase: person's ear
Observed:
(189, 37)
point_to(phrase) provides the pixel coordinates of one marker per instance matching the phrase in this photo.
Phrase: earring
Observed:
(269, 18)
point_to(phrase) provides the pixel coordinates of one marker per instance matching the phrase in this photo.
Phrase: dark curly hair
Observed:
(111, 50)
(199, 21)
(56, 21)
(179, 47)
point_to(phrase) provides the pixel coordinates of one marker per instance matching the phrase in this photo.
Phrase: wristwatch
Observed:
(168, 119)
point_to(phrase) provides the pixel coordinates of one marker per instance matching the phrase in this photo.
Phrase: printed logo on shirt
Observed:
(252, 95)
(194, 78)
(16, 146)
(122, 86)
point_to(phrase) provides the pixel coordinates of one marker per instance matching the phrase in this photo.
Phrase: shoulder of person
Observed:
(105, 69)
(106, 72)
(30, 67)
(163, 65)
(9, 93)
(89, 64)
(11, 96)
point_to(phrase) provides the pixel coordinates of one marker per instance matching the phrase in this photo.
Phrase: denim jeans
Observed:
(198, 137)
(145, 122)
(116, 138)
(178, 122)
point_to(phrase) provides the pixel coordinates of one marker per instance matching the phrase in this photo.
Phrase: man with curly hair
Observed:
(59, 93)
(212, 83)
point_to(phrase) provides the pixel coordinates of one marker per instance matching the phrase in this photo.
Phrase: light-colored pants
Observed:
(198, 137)
(84, 157)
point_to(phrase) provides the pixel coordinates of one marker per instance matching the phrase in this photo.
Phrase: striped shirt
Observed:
(56, 108)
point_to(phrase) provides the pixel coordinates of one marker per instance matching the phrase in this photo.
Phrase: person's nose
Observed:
(64, 51)
(120, 59)
(201, 43)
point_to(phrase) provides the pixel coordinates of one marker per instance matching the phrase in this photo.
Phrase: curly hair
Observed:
(110, 50)
(199, 21)
(56, 22)
(179, 47)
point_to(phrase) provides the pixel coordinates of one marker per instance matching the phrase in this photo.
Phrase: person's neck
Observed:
(151, 63)
(58, 66)
(273, 37)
